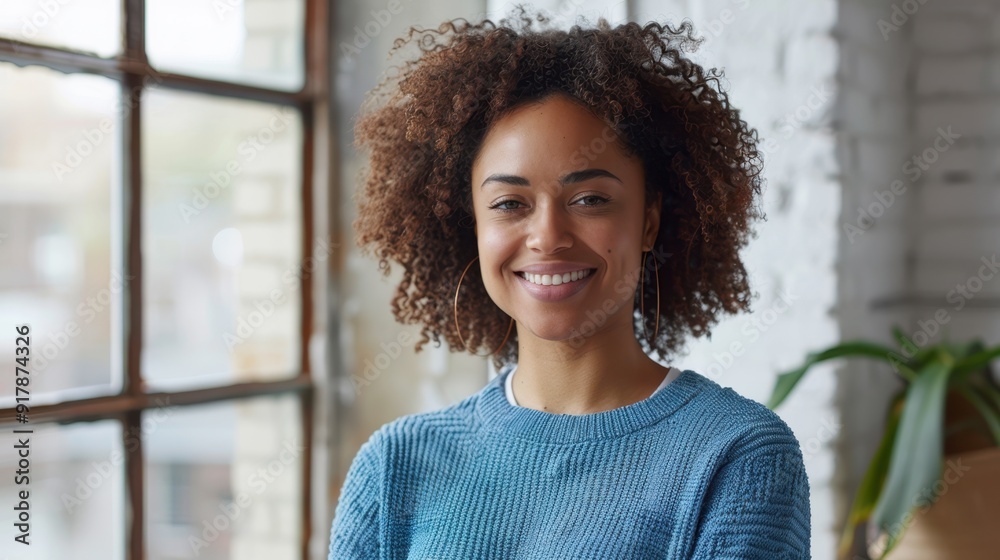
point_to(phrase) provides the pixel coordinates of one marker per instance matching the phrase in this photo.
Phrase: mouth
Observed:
(556, 279)
(555, 287)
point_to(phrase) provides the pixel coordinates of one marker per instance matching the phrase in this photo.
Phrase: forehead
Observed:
(553, 132)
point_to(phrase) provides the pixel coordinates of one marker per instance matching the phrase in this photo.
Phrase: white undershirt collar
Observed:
(508, 381)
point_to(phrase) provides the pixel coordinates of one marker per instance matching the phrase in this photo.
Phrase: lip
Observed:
(554, 267)
(555, 293)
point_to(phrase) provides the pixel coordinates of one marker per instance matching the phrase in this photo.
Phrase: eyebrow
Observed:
(569, 178)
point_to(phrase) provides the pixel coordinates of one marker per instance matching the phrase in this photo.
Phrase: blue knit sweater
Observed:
(694, 471)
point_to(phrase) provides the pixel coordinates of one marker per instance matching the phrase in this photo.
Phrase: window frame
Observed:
(131, 69)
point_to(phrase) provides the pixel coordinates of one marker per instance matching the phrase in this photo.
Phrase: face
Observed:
(560, 220)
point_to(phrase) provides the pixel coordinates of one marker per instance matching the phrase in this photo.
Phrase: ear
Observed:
(651, 226)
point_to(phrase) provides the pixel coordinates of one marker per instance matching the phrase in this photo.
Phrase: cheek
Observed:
(492, 242)
(620, 248)
(496, 247)
(613, 240)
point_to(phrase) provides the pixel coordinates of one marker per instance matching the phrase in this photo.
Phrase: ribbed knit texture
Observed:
(695, 471)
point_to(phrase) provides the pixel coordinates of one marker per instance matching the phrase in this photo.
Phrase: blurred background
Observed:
(210, 350)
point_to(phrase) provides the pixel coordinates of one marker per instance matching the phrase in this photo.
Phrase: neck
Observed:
(606, 371)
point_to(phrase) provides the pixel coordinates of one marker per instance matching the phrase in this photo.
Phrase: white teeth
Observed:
(555, 279)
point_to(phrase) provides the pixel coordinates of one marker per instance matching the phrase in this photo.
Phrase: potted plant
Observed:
(947, 410)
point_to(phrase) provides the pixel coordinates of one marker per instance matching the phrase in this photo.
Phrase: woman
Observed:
(573, 201)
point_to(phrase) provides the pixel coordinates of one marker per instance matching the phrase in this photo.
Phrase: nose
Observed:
(549, 229)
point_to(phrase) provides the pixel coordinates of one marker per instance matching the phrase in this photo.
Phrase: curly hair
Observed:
(414, 201)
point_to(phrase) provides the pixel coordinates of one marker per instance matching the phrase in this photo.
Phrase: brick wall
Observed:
(917, 143)
(956, 219)
(873, 265)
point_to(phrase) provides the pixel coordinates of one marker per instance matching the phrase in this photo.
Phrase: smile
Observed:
(554, 287)
(555, 279)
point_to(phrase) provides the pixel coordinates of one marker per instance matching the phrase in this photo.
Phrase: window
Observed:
(158, 164)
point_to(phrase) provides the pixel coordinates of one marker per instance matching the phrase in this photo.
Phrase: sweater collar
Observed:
(497, 414)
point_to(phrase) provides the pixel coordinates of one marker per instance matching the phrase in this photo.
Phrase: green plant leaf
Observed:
(917, 451)
(992, 394)
(992, 417)
(944, 353)
(975, 362)
(871, 485)
(921, 356)
(971, 348)
(902, 339)
(787, 381)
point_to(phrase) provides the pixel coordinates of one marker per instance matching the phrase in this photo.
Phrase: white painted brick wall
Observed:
(958, 73)
(938, 71)
(954, 32)
(873, 124)
(959, 212)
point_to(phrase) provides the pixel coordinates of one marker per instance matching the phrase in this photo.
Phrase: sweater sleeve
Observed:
(354, 534)
(757, 505)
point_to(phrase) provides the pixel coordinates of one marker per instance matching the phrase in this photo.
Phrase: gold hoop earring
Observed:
(642, 299)
(455, 309)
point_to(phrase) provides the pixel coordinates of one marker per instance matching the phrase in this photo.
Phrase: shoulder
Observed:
(739, 424)
(755, 495)
(751, 450)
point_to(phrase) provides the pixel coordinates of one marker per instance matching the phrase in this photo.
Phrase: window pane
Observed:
(57, 186)
(76, 491)
(224, 481)
(221, 240)
(259, 42)
(87, 25)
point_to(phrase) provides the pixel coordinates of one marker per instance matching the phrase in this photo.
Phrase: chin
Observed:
(554, 330)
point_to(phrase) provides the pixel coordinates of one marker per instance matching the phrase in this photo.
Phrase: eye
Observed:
(594, 199)
(500, 206)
